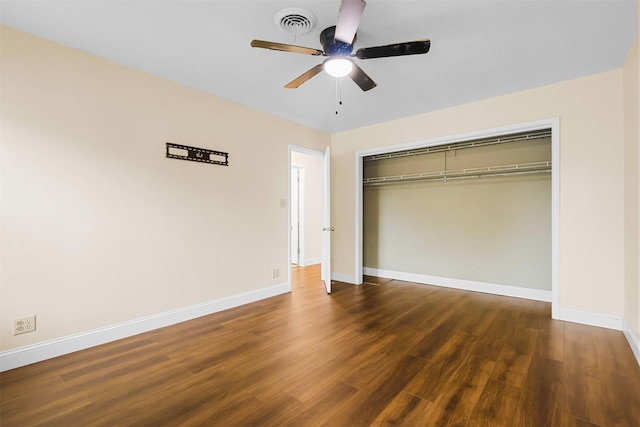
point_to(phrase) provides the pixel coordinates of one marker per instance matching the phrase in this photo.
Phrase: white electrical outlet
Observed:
(276, 273)
(24, 325)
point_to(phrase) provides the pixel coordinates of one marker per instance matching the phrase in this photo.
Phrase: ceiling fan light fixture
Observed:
(338, 66)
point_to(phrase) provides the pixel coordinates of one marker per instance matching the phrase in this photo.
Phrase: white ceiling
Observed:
(479, 49)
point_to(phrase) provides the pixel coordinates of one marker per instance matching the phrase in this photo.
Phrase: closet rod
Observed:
(462, 145)
(490, 171)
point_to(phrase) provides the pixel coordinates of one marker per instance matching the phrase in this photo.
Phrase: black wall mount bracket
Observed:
(202, 155)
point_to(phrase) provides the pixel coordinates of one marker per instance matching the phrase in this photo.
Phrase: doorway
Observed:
(306, 204)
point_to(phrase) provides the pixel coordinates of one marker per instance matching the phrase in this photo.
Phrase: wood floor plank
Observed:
(42, 407)
(14, 386)
(406, 409)
(393, 353)
(622, 405)
(434, 341)
(580, 359)
(99, 355)
(455, 404)
(430, 382)
(496, 406)
(585, 399)
(310, 382)
(532, 314)
(279, 377)
(148, 378)
(373, 372)
(608, 357)
(276, 412)
(378, 399)
(364, 361)
(324, 404)
(551, 342)
(565, 420)
(513, 362)
(491, 341)
(542, 398)
(226, 411)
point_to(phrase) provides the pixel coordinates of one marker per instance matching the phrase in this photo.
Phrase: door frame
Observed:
(550, 123)
(300, 210)
(310, 152)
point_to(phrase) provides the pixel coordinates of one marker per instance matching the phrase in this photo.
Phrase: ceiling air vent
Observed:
(295, 21)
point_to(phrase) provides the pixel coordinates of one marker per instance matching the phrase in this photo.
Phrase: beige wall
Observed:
(312, 204)
(98, 227)
(493, 230)
(591, 177)
(632, 185)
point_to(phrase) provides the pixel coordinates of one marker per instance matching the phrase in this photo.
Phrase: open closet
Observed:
(477, 211)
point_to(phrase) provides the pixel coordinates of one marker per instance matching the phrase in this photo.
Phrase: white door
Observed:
(325, 271)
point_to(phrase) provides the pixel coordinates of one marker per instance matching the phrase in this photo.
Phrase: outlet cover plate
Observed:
(24, 325)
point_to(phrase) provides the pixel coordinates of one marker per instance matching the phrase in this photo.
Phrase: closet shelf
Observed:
(489, 171)
(518, 137)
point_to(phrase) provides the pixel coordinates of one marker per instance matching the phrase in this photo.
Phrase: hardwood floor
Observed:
(384, 353)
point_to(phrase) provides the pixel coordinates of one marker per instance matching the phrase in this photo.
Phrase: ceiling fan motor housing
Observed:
(333, 47)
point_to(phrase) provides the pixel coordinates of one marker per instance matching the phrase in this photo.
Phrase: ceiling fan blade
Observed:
(286, 47)
(349, 19)
(361, 78)
(304, 77)
(408, 48)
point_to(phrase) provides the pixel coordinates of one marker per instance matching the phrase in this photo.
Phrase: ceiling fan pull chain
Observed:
(338, 94)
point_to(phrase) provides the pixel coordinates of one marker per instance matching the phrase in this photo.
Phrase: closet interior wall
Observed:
(488, 229)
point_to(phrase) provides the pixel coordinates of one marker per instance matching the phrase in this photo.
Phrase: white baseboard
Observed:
(310, 261)
(590, 318)
(467, 285)
(632, 338)
(346, 278)
(27, 355)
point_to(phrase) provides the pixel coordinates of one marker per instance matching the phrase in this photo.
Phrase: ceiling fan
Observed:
(337, 43)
